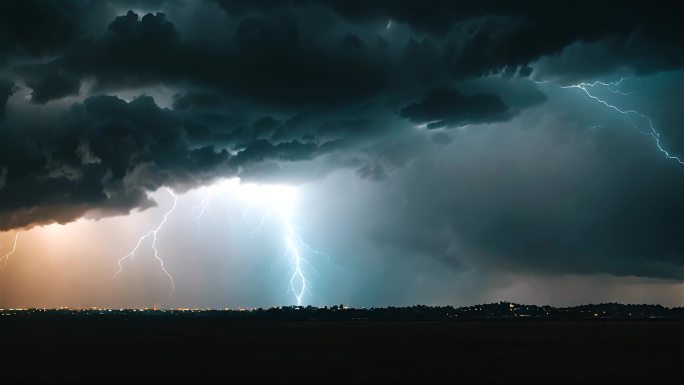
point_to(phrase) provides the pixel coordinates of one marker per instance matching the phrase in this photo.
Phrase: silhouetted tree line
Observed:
(492, 311)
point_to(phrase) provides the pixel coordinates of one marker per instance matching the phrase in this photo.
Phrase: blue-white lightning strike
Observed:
(5, 258)
(153, 233)
(298, 282)
(630, 114)
(279, 200)
(276, 201)
(201, 208)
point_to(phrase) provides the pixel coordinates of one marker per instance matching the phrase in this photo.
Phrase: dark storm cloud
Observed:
(253, 87)
(521, 200)
(510, 35)
(269, 61)
(37, 28)
(447, 108)
(98, 156)
(49, 83)
(6, 90)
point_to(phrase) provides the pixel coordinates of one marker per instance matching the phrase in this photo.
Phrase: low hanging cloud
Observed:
(449, 108)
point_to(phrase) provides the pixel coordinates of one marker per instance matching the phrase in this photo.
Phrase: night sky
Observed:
(371, 153)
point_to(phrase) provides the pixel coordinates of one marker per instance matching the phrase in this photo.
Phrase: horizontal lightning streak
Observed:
(628, 113)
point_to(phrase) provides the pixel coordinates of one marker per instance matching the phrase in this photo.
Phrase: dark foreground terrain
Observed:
(509, 351)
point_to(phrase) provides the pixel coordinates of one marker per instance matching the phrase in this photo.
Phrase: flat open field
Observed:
(496, 351)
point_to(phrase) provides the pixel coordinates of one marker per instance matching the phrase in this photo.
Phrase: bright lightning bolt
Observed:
(153, 233)
(276, 202)
(202, 207)
(260, 224)
(5, 258)
(298, 279)
(280, 201)
(630, 114)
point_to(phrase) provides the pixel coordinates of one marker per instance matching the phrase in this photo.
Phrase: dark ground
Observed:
(346, 351)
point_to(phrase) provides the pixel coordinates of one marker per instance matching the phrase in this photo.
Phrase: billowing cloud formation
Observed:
(102, 102)
(490, 35)
(99, 155)
(450, 108)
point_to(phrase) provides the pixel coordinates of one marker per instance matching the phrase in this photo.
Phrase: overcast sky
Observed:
(370, 153)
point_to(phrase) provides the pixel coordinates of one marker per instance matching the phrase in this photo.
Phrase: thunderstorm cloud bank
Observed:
(452, 113)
